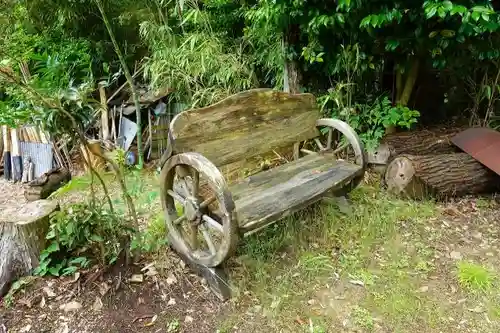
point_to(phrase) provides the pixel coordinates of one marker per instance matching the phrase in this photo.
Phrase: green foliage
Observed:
(79, 235)
(474, 277)
(371, 119)
(200, 64)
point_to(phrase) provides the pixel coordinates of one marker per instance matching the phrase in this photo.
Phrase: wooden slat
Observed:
(271, 195)
(245, 125)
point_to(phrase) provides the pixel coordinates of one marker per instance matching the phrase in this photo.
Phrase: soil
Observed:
(116, 301)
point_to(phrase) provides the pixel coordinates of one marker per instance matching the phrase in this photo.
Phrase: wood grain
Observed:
(271, 195)
(245, 125)
(445, 175)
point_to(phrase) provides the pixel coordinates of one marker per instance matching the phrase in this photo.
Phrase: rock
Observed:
(188, 319)
(455, 255)
(423, 289)
(137, 278)
(171, 301)
(71, 306)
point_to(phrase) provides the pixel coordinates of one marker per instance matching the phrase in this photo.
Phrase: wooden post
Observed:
(7, 170)
(104, 112)
(17, 166)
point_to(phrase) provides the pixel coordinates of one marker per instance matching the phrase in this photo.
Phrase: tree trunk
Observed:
(403, 92)
(445, 175)
(22, 238)
(45, 185)
(426, 142)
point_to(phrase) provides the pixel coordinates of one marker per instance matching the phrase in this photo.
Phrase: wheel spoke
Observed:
(341, 148)
(179, 220)
(196, 183)
(176, 196)
(212, 223)
(330, 139)
(320, 145)
(208, 239)
(207, 202)
(194, 237)
(308, 152)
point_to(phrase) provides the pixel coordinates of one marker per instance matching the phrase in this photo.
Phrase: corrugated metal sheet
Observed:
(483, 144)
(41, 155)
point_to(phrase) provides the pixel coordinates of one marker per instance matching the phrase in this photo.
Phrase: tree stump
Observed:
(444, 175)
(46, 184)
(424, 142)
(22, 238)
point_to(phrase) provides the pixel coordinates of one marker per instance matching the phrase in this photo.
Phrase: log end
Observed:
(379, 156)
(400, 179)
(22, 238)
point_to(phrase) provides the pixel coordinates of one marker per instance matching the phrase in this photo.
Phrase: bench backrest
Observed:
(246, 125)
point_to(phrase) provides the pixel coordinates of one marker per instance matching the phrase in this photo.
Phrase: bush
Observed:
(81, 234)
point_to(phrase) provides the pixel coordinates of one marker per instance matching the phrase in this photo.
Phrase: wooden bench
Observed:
(205, 213)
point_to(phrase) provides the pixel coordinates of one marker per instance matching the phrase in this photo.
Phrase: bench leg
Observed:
(340, 200)
(216, 277)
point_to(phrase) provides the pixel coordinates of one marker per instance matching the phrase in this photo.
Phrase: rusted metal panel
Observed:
(483, 144)
(41, 155)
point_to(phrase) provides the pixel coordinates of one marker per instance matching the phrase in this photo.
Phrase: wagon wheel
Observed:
(338, 138)
(198, 209)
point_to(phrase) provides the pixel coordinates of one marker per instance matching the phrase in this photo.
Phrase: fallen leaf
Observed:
(357, 282)
(152, 321)
(477, 309)
(97, 306)
(104, 288)
(42, 302)
(171, 279)
(299, 320)
(26, 328)
(49, 292)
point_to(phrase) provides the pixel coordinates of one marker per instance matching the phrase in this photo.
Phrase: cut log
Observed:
(445, 175)
(424, 142)
(46, 184)
(22, 238)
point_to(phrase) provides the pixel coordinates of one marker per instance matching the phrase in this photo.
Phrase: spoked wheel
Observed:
(338, 138)
(198, 209)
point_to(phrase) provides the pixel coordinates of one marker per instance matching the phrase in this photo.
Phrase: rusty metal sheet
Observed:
(483, 144)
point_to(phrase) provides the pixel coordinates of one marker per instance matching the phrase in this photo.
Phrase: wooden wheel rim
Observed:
(217, 184)
(354, 141)
(352, 138)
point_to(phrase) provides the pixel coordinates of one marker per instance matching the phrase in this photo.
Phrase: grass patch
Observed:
(362, 318)
(474, 277)
(287, 264)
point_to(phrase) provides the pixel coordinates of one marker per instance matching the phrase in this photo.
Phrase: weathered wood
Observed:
(91, 155)
(104, 112)
(271, 195)
(17, 164)
(247, 124)
(22, 238)
(46, 184)
(425, 142)
(445, 175)
(195, 214)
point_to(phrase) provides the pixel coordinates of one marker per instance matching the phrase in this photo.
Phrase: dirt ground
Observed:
(392, 266)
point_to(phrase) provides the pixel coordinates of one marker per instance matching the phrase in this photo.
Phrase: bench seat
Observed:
(273, 194)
